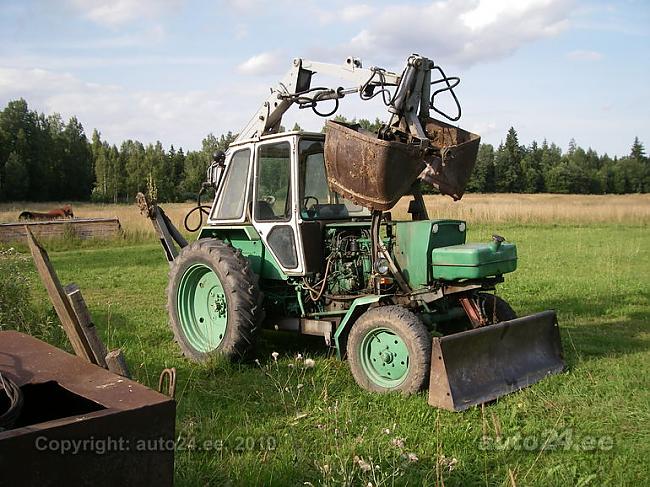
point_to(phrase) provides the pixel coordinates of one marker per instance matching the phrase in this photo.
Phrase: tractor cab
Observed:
(279, 185)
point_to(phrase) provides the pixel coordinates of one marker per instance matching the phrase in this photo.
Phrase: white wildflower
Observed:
(363, 465)
(412, 457)
(447, 463)
(309, 363)
(299, 356)
(275, 356)
(386, 431)
(397, 442)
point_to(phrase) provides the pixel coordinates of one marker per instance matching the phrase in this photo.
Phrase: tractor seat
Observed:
(264, 211)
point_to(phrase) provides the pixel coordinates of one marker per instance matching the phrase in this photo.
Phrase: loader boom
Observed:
(295, 87)
(407, 106)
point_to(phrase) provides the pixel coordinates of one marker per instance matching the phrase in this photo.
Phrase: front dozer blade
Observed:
(476, 366)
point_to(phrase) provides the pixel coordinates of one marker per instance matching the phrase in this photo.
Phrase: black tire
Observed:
(413, 334)
(495, 309)
(243, 299)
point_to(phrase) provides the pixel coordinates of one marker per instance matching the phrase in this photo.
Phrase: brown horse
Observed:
(63, 212)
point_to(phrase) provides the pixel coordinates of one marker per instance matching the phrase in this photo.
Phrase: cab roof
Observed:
(311, 135)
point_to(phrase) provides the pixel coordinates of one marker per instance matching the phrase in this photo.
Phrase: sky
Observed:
(176, 70)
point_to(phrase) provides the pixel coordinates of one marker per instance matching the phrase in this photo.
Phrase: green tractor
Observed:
(298, 239)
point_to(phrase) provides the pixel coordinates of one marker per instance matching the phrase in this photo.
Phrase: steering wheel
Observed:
(311, 212)
(307, 198)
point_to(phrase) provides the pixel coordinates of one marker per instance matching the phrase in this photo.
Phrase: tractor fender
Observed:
(358, 307)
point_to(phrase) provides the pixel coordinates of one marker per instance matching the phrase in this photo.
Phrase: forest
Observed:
(44, 158)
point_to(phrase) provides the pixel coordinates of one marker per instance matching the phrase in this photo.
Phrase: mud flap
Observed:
(476, 366)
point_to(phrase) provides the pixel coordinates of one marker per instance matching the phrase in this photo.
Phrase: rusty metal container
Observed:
(376, 173)
(369, 171)
(451, 162)
(80, 424)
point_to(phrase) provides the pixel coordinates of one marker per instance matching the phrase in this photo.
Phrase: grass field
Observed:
(282, 423)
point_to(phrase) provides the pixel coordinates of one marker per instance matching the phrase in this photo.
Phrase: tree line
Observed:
(43, 158)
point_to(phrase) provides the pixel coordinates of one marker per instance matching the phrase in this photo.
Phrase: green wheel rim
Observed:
(202, 308)
(384, 357)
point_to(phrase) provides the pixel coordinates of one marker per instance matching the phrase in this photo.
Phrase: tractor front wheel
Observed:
(213, 300)
(389, 349)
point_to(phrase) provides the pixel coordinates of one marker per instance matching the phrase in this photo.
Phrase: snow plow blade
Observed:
(476, 366)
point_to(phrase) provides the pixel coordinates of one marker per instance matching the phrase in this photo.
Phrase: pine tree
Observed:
(507, 165)
(637, 151)
(482, 179)
(16, 180)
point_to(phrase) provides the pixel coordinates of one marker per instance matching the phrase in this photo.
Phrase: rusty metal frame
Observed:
(123, 411)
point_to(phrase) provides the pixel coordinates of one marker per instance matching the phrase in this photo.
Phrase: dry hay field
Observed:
(474, 208)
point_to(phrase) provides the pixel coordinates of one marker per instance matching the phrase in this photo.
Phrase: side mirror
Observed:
(219, 157)
(215, 170)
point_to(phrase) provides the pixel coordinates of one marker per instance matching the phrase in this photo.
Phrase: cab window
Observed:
(273, 185)
(317, 201)
(233, 194)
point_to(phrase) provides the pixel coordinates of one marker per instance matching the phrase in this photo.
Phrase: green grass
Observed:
(316, 420)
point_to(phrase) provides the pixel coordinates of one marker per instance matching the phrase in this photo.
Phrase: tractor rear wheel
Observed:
(389, 349)
(213, 300)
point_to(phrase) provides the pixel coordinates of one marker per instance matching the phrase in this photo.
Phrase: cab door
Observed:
(275, 209)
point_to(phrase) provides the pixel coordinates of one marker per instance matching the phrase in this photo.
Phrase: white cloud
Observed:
(344, 13)
(245, 5)
(459, 31)
(582, 55)
(352, 13)
(173, 117)
(117, 12)
(74, 62)
(264, 63)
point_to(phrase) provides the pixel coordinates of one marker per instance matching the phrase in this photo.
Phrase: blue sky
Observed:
(175, 70)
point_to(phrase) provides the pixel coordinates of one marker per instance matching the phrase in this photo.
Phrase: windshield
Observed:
(317, 201)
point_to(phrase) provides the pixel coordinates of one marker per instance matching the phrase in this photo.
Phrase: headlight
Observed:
(381, 266)
(434, 228)
(461, 227)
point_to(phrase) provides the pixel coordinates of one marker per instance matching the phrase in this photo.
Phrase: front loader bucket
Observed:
(479, 365)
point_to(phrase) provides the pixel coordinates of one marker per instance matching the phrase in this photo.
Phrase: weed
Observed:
(17, 312)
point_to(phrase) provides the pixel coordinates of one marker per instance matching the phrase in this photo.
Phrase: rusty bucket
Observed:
(376, 173)
(369, 171)
(450, 163)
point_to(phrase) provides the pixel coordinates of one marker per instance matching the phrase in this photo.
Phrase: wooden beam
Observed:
(117, 363)
(83, 315)
(59, 299)
(84, 228)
